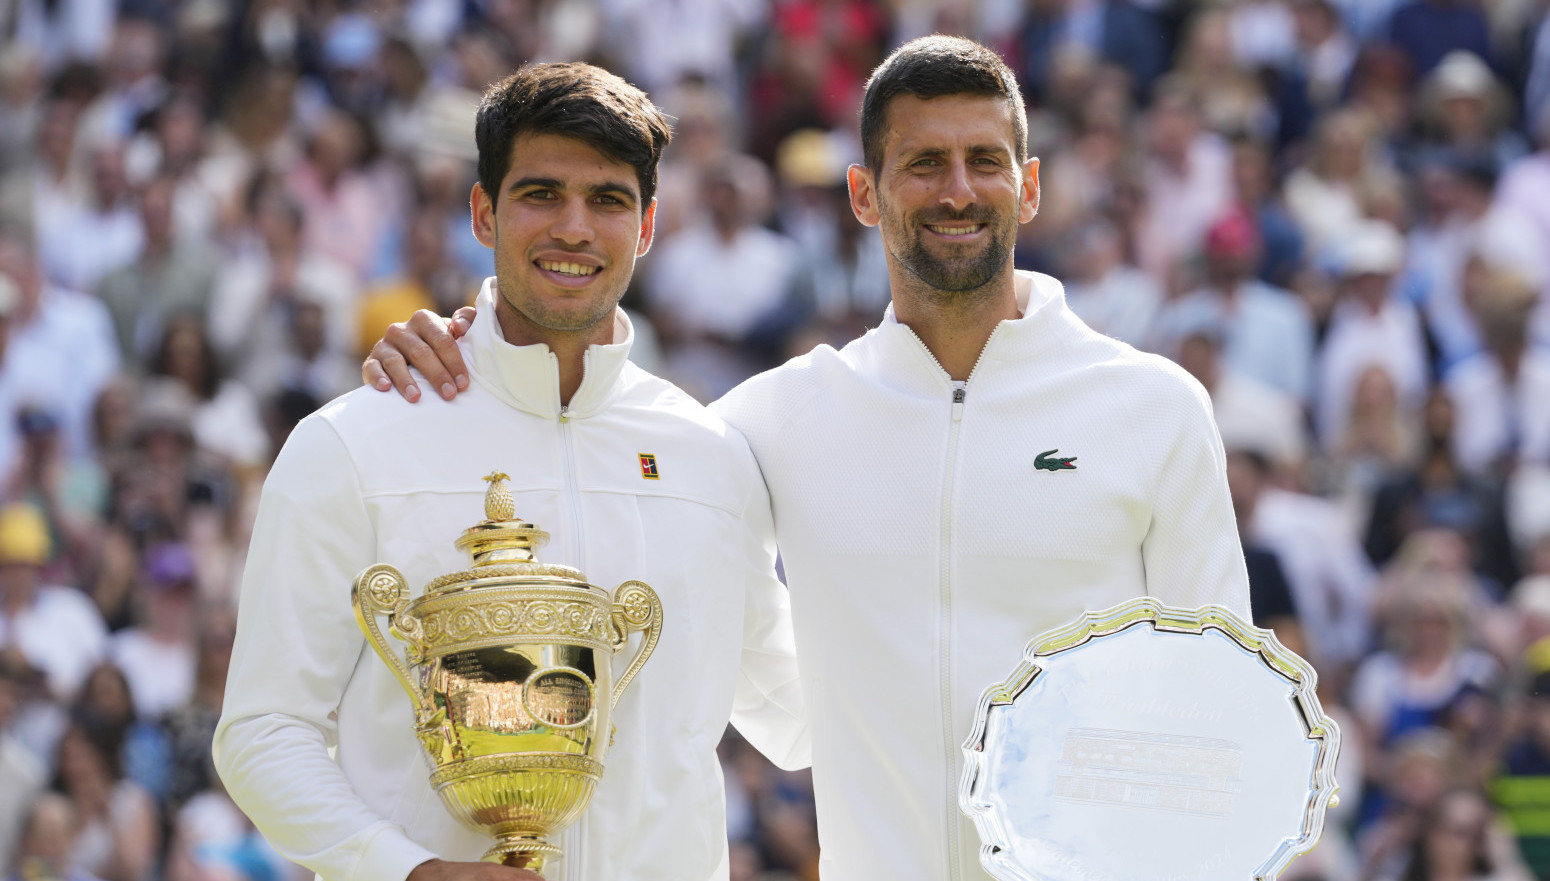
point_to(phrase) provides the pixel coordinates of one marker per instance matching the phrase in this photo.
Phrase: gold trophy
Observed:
(510, 667)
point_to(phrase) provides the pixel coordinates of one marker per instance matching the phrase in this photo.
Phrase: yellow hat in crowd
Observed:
(24, 535)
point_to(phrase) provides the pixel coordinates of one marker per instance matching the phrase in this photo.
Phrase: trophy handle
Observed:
(636, 607)
(382, 590)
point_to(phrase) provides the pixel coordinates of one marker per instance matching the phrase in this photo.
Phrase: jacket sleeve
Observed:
(296, 649)
(768, 707)
(1191, 552)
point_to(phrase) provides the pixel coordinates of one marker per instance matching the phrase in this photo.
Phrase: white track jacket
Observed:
(924, 547)
(371, 478)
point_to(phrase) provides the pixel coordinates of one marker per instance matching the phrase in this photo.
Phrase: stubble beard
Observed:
(534, 312)
(954, 275)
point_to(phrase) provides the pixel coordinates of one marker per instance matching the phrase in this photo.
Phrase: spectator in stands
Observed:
(226, 420)
(56, 629)
(59, 350)
(1324, 194)
(1427, 30)
(21, 775)
(344, 213)
(172, 276)
(250, 310)
(1371, 326)
(1116, 31)
(1438, 492)
(80, 245)
(1521, 786)
(1187, 177)
(48, 843)
(1460, 839)
(1267, 332)
(1111, 296)
(119, 830)
(157, 654)
(1502, 394)
(717, 335)
(1464, 110)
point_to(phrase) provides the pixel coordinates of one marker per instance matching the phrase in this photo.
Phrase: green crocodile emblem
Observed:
(1048, 461)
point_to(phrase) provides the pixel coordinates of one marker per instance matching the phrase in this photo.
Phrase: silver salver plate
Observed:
(1150, 743)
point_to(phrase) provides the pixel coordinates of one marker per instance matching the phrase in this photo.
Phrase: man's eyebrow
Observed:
(607, 187)
(546, 183)
(615, 188)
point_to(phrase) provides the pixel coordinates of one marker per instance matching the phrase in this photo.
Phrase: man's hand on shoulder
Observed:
(428, 343)
(442, 870)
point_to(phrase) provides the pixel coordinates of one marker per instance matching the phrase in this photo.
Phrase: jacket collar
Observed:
(1040, 299)
(528, 377)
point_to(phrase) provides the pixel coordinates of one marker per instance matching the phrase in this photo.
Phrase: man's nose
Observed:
(957, 193)
(573, 226)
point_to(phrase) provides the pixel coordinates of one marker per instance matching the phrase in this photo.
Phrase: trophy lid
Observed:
(500, 538)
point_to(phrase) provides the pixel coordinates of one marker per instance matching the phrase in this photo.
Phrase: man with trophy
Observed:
(317, 742)
(979, 469)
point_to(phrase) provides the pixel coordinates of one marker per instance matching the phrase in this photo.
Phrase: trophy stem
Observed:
(521, 851)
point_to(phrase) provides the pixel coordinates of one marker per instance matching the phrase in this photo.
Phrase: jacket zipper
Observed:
(575, 847)
(960, 395)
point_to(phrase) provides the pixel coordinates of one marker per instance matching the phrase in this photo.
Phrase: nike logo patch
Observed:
(1048, 461)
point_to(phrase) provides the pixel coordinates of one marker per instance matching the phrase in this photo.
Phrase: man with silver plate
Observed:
(979, 469)
(633, 479)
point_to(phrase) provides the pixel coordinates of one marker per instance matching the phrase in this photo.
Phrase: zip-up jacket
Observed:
(930, 529)
(371, 478)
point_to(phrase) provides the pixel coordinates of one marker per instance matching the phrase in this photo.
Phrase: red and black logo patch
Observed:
(648, 467)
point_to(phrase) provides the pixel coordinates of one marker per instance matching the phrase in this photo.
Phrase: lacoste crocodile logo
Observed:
(1048, 461)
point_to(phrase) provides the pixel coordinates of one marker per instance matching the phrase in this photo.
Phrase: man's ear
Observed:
(1028, 201)
(483, 210)
(648, 226)
(863, 195)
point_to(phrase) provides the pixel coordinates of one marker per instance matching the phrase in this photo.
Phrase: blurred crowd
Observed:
(1334, 213)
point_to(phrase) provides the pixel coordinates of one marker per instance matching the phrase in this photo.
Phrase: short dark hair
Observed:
(934, 67)
(578, 101)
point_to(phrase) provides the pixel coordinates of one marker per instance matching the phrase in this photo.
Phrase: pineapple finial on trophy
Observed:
(501, 537)
(498, 504)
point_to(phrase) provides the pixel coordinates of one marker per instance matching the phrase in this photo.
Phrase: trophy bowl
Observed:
(509, 664)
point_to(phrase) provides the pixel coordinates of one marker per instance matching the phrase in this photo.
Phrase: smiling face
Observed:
(566, 225)
(949, 192)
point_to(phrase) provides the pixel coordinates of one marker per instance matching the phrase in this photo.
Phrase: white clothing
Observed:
(1521, 193)
(1324, 210)
(231, 426)
(1268, 334)
(1183, 205)
(60, 360)
(1357, 340)
(160, 674)
(1121, 304)
(712, 286)
(924, 549)
(1382, 685)
(80, 247)
(1493, 418)
(1328, 572)
(371, 478)
(61, 634)
(22, 777)
(1253, 416)
(245, 321)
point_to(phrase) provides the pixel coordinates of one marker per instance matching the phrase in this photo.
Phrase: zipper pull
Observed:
(565, 413)
(960, 392)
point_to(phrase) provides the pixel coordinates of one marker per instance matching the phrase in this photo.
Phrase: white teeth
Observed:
(575, 269)
(954, 230)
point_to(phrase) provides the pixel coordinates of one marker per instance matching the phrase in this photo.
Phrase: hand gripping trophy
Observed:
(510, 667)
